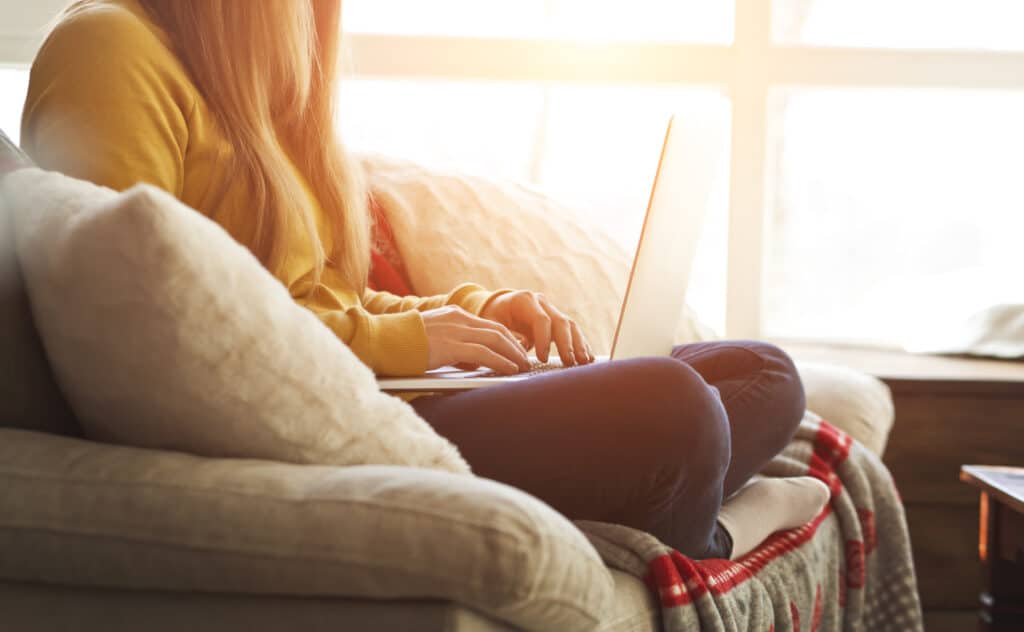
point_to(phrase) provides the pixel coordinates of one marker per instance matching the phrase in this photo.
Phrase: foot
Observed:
(767, 505)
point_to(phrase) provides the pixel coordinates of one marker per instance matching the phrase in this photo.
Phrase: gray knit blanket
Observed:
(848, 569)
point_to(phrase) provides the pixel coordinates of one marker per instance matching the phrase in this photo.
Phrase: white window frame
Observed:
(748, 70)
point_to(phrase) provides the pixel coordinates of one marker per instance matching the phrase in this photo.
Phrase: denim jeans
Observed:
(652, 443)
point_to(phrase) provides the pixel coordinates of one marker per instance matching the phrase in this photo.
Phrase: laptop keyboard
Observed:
(536, 367)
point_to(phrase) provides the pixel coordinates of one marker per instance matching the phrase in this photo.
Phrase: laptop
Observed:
(659, 279)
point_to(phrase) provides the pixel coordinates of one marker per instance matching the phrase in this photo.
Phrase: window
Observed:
(921, 24)
(876, 144)
(890, 204)
(593, 146)
(13, 86)
(600, 20)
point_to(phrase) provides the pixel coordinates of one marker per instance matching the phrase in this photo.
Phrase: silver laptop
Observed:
(660, 276)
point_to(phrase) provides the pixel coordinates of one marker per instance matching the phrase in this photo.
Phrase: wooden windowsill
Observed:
(911, 371)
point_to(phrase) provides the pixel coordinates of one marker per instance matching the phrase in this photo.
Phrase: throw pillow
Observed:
(452, 227)
(166, 333)
(29, 396)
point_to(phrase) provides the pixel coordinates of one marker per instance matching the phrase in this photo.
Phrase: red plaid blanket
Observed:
(848, 569)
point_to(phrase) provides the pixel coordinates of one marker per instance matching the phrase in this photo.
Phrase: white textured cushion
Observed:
(79, 513)
(451, 228)
(166, 333)
(858, 404)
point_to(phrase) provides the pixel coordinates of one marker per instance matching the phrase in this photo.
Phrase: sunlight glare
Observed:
(707, 21)
(966, 24)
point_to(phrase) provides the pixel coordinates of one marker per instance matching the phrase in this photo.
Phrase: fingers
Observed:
(457, 337)
(506, 342)
(480, 355)
(561, 332)
(579, 345)
(541, 326)
(476, 322)
(561, 328)
(496, 341)
(523, 340)
(568, 337)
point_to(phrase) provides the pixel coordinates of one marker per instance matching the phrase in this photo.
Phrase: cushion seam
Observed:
(415, 510)
(218, 491)
(516, 594)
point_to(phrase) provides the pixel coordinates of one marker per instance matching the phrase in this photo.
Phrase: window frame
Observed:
(748, 71)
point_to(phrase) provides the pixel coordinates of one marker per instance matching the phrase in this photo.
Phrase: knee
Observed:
(779, 362)
(788, 401)
(685, 425)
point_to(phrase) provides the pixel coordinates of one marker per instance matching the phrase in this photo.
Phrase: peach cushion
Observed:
(451, 227)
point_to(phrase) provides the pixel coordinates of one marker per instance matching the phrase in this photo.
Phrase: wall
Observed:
(22, 25)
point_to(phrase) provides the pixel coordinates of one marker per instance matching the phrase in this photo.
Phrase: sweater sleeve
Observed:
(468, 296)
(105, 103)
(390, 344)
(386, 331)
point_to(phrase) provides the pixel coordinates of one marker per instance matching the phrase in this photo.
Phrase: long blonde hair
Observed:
(268, 72)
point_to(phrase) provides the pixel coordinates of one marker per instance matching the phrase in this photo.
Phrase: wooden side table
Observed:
(1000, 545)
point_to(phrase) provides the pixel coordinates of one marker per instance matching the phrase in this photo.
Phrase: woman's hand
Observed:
(457, 337)
(535, 319)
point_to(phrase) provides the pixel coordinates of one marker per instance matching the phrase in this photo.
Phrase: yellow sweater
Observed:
(109, 102)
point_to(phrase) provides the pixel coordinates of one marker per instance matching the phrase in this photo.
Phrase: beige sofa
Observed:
(99, 537)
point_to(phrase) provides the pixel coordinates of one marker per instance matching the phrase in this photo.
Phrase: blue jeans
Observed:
(652, 443)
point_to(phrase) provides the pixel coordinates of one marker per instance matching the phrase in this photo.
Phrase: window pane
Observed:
(600, 153)
(682, 20)
(484, 128)
(965, 24)
(13, 86)
(892, 207)
(593, 147)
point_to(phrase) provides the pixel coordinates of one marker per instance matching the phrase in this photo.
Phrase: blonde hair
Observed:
(268, 72)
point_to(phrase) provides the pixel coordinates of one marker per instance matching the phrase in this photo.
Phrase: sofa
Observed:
(103, 537)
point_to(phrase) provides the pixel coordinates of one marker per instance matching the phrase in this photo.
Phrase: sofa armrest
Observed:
(81, 513)
(856, 403)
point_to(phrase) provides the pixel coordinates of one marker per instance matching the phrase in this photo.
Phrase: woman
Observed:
(229, 105)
